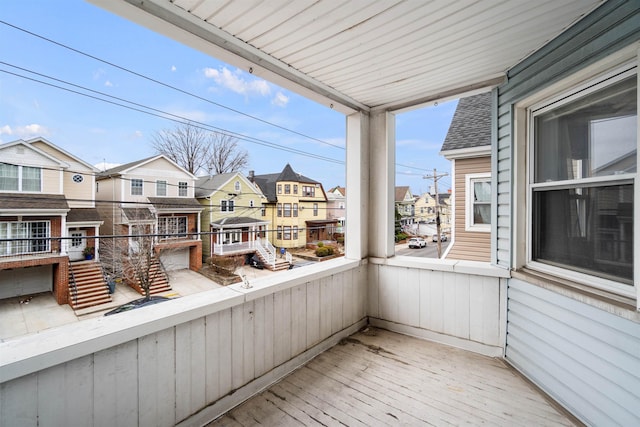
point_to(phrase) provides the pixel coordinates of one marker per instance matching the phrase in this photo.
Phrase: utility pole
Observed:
(435, 178)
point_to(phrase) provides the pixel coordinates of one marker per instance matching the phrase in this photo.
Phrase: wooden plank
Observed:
(248, 348)
(225, 360)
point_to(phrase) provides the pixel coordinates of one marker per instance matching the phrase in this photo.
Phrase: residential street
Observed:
(430, 251)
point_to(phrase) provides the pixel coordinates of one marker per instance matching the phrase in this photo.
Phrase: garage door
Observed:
(175, 259)
(26, 281)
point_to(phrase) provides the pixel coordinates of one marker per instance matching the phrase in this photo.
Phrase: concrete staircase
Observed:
(159, 279)
(87, 286)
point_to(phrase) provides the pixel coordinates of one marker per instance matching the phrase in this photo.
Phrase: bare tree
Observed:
(225, 155)
(197, 149)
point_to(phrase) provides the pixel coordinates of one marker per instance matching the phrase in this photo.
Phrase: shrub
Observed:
(401, 236)
(320, 244)
(340, 239)
(323, 251)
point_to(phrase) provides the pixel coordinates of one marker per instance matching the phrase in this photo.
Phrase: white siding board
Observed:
(325, 304)
(248, 347)
(298, 319)
(190, 383)
(269, 332)
(155, 366)
(388, 296)
(224, 350)
(313, 313)
(436, 308)
(349, 300)
(19, 401)
(373, 299)
(409, 296)
(212, 350)
(282, 327)
(238, 338)
(116, 369)
(336, 303)
(259, 335)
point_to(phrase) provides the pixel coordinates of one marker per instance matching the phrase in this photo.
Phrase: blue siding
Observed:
(585, 358)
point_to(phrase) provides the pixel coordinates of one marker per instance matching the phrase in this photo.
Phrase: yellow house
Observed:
(296, 207)
(233, 218)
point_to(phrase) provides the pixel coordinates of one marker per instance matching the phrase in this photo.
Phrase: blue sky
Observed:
(100, 132)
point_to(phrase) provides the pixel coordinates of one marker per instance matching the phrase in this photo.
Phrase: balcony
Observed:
(193, 359)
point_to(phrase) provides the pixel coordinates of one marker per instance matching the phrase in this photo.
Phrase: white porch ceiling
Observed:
(363, 54)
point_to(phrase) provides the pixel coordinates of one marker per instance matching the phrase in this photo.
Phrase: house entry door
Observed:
(77, 245)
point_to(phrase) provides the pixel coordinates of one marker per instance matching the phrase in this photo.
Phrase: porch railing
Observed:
(267, 254)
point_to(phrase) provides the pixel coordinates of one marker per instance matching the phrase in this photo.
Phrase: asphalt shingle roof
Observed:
(12, 201)
(471, 123)
(267, 182)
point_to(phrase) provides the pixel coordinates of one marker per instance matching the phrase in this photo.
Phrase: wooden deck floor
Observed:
(378, 378)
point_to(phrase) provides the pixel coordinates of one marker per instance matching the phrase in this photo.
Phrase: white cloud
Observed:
(138, 134)
(24, 131)
(236, 82)
(173, 68)
(281, 100)
(108, 83)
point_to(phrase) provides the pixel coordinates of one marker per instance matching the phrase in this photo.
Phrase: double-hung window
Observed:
(227, 206)
(182, 189)
(287, 209)
(136, 187)
(20, 178)
(582, 174)
(161, 188)
(478, 202)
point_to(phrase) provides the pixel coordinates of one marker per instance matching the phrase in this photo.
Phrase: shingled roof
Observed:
(267, 182)
(471, 123)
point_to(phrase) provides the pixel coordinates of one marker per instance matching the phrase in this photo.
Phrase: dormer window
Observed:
(237, 186)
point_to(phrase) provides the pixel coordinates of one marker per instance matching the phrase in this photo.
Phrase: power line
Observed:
(142, 76)
(177, 119)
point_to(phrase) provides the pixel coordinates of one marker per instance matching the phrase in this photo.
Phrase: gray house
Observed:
(559, 300)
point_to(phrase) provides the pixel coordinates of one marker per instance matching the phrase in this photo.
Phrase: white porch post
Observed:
(357, 184)
(382, 159)
(96, 238)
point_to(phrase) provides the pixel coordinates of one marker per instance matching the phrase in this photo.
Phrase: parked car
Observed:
(138, 303)
(443, 237)
(417, 242)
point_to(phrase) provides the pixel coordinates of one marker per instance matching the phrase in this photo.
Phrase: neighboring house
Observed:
(405, 206)
(232, 220)
(297, 207)
(45, 192)
(336, 206)
(468, 147)
(153, 196)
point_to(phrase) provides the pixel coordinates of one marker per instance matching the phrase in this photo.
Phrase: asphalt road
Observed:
(430, 251)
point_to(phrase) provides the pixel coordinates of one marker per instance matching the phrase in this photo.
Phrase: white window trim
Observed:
(571, 89)
(469, 225)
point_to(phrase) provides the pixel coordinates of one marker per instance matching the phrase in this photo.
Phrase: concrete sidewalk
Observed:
(30, 314)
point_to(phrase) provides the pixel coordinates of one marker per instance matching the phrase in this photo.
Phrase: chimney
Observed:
(252, 176)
